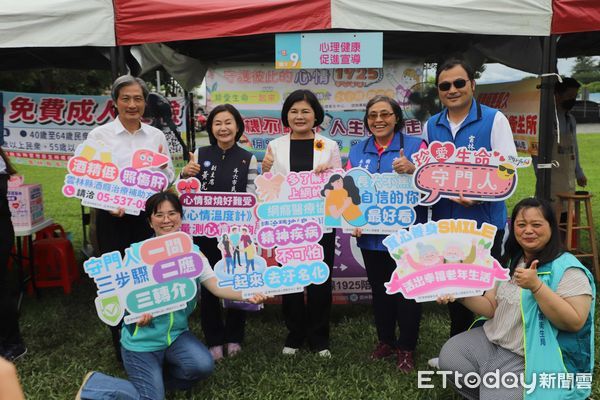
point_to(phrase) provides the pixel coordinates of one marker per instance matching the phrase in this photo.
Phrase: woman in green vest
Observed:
(538, 339)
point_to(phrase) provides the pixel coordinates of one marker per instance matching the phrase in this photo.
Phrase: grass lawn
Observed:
(66, 339)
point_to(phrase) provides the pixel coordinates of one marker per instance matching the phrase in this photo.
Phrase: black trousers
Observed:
(310, 320)
(118, 234)
(9, 315)
(461, 317)
(216, 331)
(391, 310)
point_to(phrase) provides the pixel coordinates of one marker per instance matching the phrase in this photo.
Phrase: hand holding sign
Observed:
(192, 168)
(402, 165)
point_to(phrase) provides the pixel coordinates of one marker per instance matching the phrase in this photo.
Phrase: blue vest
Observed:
(476, 129)
(364, 155)
(552, 351)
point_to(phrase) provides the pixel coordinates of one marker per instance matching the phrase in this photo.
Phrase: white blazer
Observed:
(280, 148)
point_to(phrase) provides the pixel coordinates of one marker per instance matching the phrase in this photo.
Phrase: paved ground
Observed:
(588, 128)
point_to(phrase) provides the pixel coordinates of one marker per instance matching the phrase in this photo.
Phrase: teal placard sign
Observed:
(162, 295)
(329, 50)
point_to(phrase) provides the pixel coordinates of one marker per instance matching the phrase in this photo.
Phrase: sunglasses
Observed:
(384, 115)
(459, 84)
(509, 171)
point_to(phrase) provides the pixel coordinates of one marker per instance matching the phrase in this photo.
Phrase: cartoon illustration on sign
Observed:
(243, 269)
(446, 171)
(377, 203)
(94, 178)
(444, 257)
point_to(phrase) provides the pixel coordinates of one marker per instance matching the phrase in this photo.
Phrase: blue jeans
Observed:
(103, 387)
(185, 361)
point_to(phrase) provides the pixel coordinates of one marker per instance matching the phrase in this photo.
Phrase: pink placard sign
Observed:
(446, 171)
(450, 256)
(100, 183)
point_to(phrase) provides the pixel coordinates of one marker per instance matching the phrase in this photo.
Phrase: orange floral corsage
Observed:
(319, 145)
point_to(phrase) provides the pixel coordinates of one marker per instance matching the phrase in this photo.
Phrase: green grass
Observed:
(66, 339)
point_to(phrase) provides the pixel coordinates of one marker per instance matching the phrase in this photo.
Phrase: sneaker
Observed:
(12, 352)
(289, 351)
(233, 349)
(434, 362)
(85, 379)
(406, 361)
(216, 352)
(383, 350)
(324, 353)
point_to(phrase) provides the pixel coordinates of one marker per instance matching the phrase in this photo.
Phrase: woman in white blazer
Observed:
(304, 150)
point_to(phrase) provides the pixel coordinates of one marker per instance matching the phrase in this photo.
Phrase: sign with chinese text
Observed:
(328, 50)
(260, 87)
(444, 257)
(45, 129)
(376, 203)
(213, 214)
(156, 276)
(520, 102)
(291, 216)
(243, 269)
(99, 183)
(446, 171)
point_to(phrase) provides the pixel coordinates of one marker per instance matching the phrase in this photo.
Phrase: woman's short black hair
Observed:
(395, 108)
(300, 95)
(239, 121)
(451, 63)
(512, 249)
(158, 198)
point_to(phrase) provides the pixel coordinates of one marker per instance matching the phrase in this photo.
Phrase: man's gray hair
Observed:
(126, 80)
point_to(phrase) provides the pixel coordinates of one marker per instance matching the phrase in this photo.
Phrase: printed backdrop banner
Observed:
(520, 102)
(45, 129)
(344, 127)
(261, 87)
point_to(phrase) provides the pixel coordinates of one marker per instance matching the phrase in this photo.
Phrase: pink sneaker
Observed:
(216, 352)
(233, 349)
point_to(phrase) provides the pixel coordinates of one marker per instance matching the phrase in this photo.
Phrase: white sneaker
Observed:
(325, 353)
(434, 362)
(289, 351)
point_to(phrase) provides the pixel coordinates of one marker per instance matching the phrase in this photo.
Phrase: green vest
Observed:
(551, 351)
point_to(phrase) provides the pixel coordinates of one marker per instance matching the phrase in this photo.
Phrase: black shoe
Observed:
(12, 352)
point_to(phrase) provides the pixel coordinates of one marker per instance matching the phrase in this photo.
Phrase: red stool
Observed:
(55, 264)
(49, 232)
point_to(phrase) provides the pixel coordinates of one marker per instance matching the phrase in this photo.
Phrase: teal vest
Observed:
(551, 351)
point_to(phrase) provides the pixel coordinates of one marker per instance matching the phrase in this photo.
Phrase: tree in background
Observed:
(586, 70)
(63, 81)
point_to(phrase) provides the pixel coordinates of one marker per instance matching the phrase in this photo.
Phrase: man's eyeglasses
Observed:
(459, 84)
(372, 116)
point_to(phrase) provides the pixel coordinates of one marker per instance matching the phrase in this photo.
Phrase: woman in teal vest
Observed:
(539, 328)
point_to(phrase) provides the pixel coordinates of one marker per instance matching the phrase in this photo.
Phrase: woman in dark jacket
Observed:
(221, 167)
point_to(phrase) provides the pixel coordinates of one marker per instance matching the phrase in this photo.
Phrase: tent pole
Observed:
(545, 134)
(191, 123)
(114, 69)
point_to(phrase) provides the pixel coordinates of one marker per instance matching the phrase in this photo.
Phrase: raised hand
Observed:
(527, 278)
(402, 165)
(267, 162)
(192, 168)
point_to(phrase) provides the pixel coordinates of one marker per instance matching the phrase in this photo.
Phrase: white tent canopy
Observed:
(488, 17)
(57, 23)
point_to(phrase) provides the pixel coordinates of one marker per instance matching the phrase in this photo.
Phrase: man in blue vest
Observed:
(467, 123)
